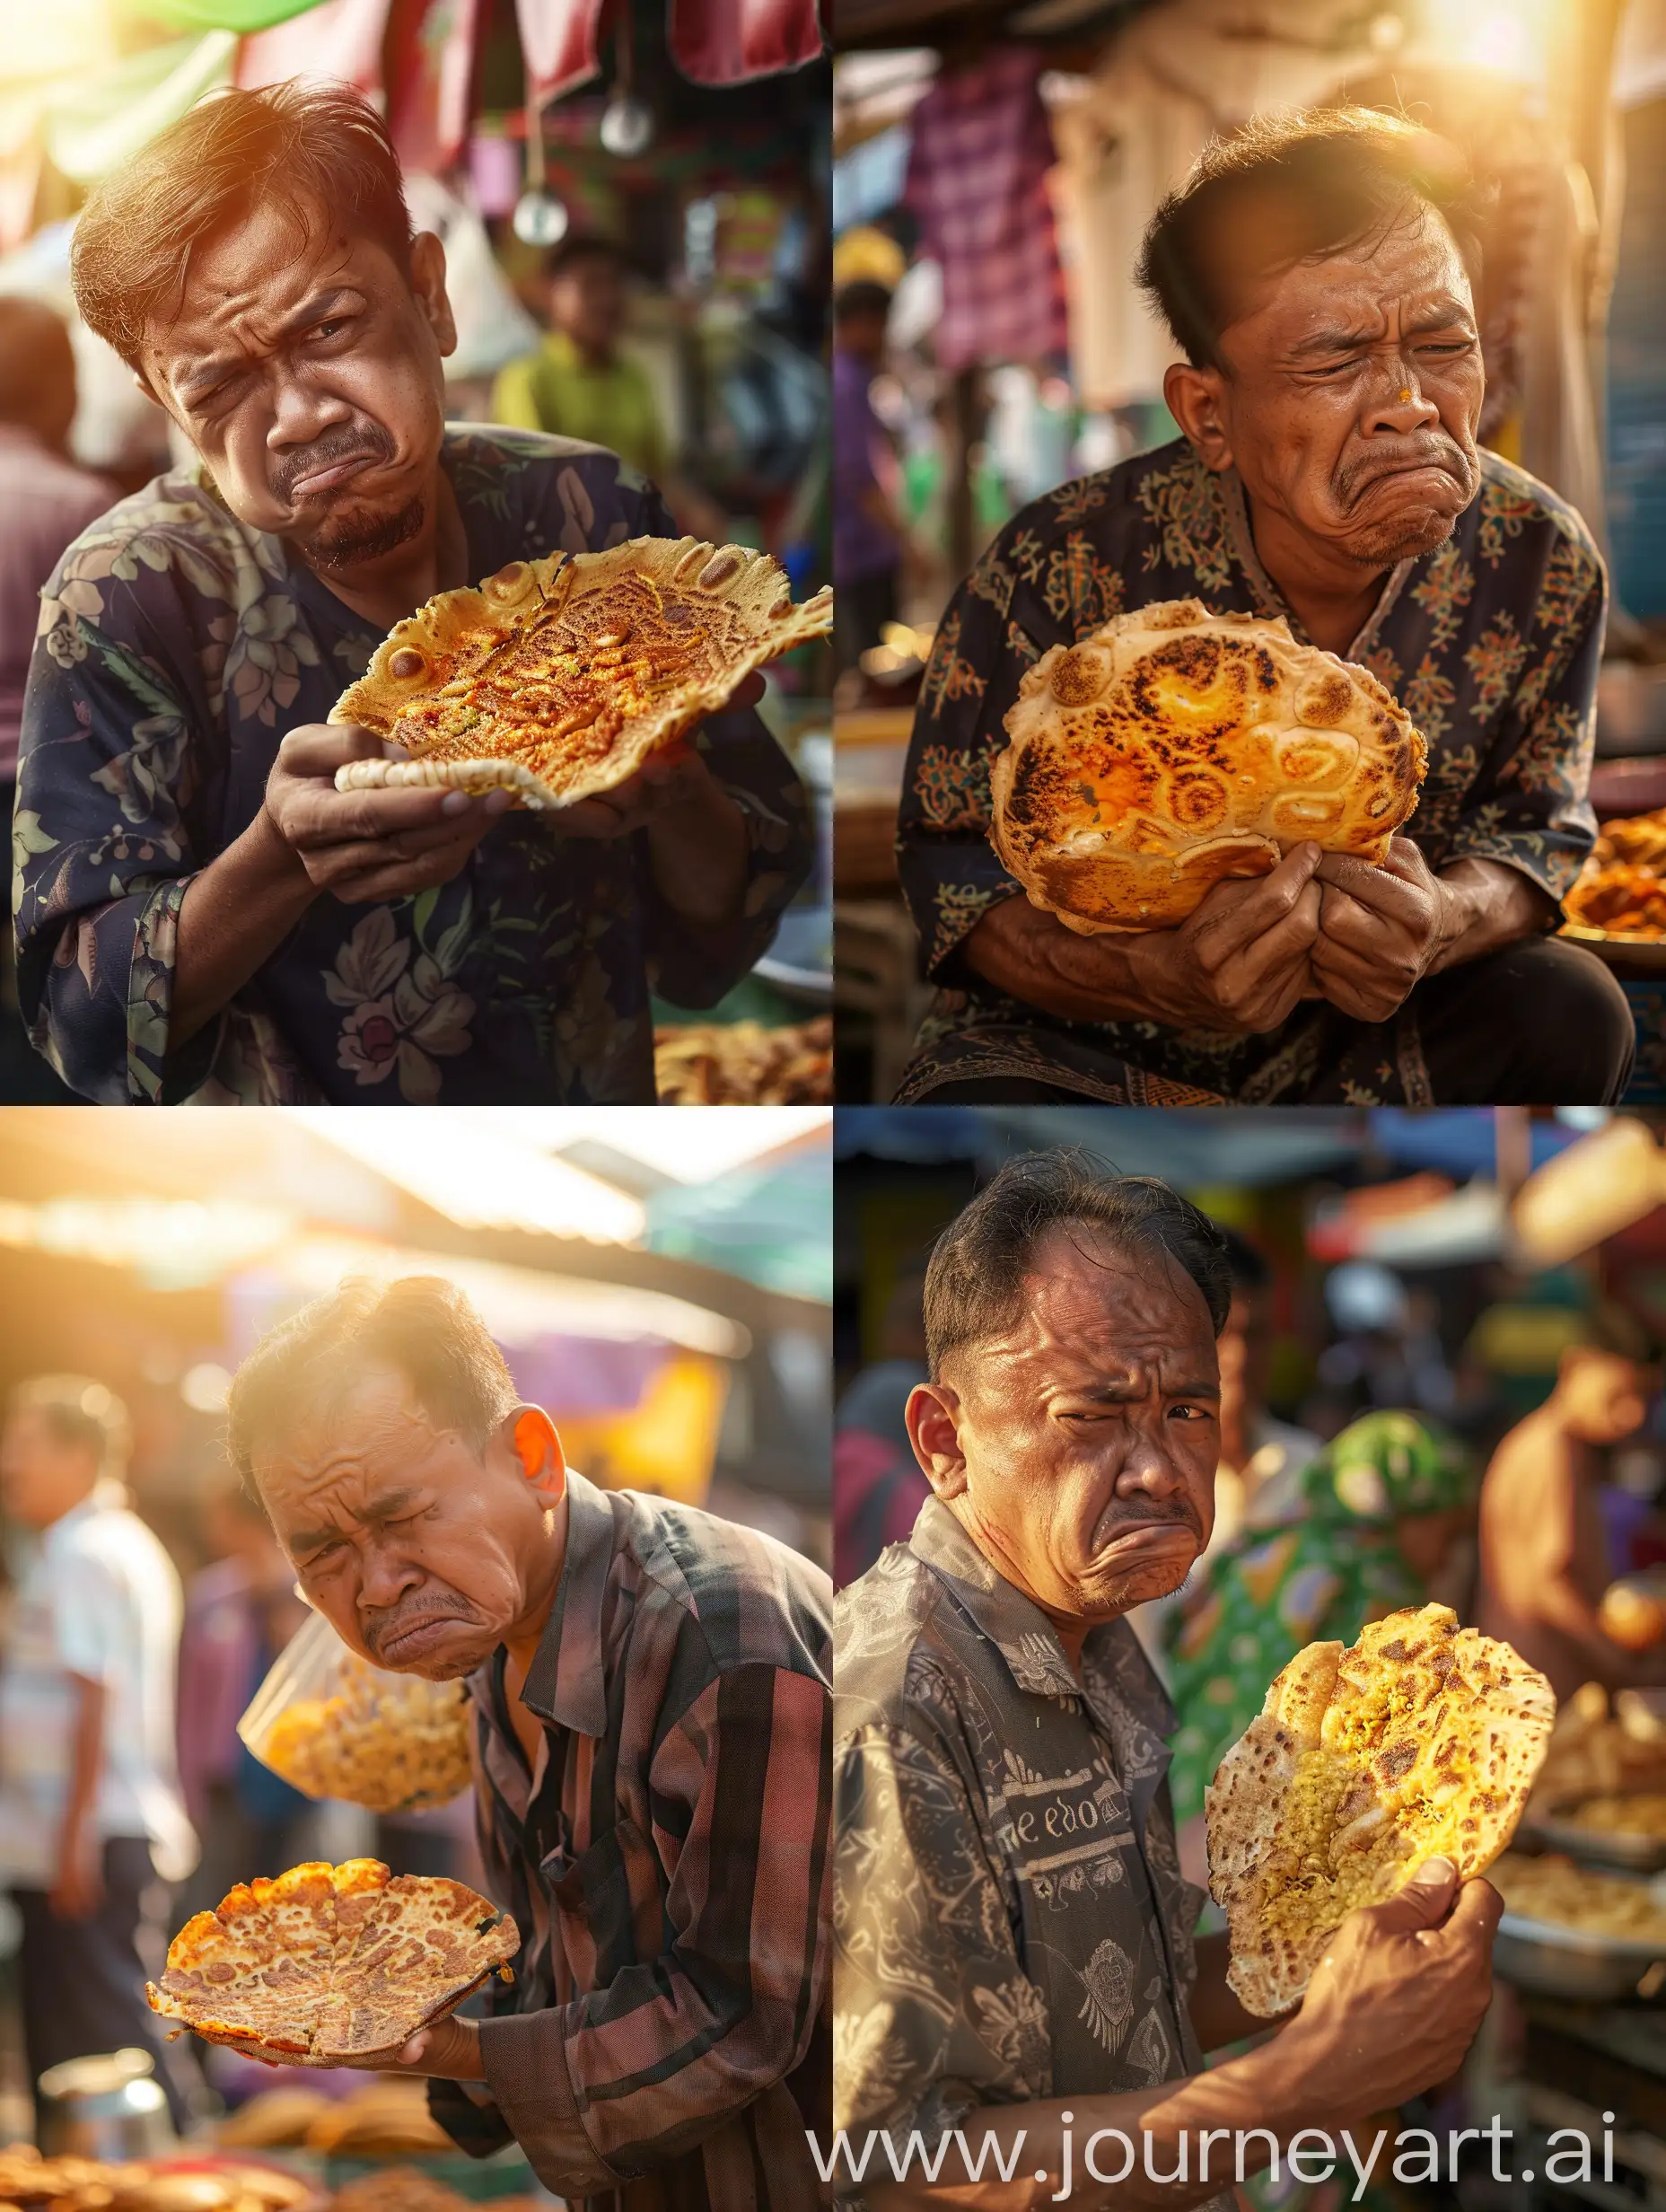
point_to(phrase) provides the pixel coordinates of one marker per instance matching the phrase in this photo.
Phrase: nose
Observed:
(300, 411)
(1149, 1467)
(1396, 405)
(384, 1578)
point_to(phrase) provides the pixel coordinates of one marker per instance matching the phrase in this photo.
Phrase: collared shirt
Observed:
(176, 647)
(1491, 642)
(612, 405)
(663, 2047)
(1011, 1921)
(98, 1599)
(46, 501)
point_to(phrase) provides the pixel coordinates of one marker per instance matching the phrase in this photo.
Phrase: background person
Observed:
(650, 1704)
(991, 1701)
(867, 535)
(1544, 1553)
(92, 1823)
(581, 382)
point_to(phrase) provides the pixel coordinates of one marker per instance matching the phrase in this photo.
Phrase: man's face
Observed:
(307, 373)
(1079, 1447)
(1606, 1397)
(42, 1477)
(587, 301)
(1352, 394)
(422, 1554)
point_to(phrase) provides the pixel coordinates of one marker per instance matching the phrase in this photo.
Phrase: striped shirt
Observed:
(664, 2046)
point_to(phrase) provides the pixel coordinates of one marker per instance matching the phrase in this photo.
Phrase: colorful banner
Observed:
(729, 41)
(559, 41)
(433, 80)
(337, 39)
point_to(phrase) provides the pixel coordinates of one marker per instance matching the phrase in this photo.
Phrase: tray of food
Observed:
(1628, 1831)
(744, 1064)
(1570, 1931)
(1619, 905)
(189, 2182)
(378, 2141)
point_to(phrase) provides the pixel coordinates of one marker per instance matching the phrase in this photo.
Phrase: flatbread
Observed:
(326, 1965)
(1174, 748)
(1422, 1740)
(558, 678)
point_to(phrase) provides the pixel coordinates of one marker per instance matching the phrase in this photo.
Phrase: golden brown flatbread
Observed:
(558, 678)
(1174, 748)
(326, 1965)
(1423, 1740)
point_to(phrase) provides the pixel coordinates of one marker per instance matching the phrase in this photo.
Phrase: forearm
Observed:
(234, 916)
(697, 851)
(1033, 957)
(86, 1761)
(1562, 1605)
(1489, 907)
(1217, 2017)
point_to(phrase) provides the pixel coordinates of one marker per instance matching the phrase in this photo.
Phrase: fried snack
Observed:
(401, 2189)
(1421, 1741)
(744, 1064)
(1593, 1753)
(1174, 748)
(1554, 1889)
(1621, 891)
(391, 1743)
(558, 678)
(329, 1964)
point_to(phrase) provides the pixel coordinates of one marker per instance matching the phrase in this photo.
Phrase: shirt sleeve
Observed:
(1533, 810)
(949, 872)
(92, 1629)
(514, 397)
(102, 859)
(606, 2088)
(934, 2014)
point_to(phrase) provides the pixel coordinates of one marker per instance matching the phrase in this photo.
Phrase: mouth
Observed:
(325, 479)
(1400, 472)
(421, 1637)
(1147, 1536)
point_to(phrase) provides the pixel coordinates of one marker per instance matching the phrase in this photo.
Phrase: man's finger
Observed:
(1284, 943)
(1424, 1901)
(320, 747)
(1343, 920)
(1237, 910)
(1384, 892)
(1476, 1913)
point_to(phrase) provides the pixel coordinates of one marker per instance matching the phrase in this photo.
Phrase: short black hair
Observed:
(1288, 189)
(974, 1285)
(82, 1414)
(317, 151)
(586, 247)
(422, 1326)
(860, 297)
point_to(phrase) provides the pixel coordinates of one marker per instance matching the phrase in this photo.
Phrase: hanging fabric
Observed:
(432, 62)
(338, 39)
(732, 42)
(560, 42)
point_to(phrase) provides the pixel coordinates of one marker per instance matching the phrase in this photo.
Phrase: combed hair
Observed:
(317, 151)
(975, 1283)
(79, 1412)
(1288, 189)
(422, 1326)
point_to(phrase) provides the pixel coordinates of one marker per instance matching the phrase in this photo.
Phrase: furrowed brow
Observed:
(203, 375)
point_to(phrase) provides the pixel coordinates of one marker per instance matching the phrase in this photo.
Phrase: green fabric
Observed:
(107, 117)
(555, 390)
(1325, 1573)
(242, 16)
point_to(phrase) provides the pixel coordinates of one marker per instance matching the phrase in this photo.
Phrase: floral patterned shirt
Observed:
(1491, 642)
(176, 648)
(1010, 1918)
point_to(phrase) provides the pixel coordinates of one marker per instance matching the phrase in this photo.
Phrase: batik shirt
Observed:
(1491, 642)
(1010, 1919)
(177, 646)
(663, 2047)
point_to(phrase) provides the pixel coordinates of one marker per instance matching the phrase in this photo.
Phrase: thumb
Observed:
(416, 2049)
(1422, 1903)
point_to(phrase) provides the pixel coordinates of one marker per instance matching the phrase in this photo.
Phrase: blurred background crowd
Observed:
(659, 1284)
(633, 203)
(1441, 1382)
(995, 163)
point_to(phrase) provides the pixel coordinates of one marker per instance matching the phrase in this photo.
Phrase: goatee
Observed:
(351, 537)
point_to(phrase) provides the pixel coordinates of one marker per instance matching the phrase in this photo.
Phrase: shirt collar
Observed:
(568, 357)
(565, 1685)
(1016, 1626)
(1234, 511)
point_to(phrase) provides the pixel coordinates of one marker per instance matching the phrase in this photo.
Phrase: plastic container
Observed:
(333, 1725)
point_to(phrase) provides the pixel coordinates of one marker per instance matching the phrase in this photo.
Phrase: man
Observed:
(1014, 1938)
(201, 915)
(46, 501)
(1327, 472)
(91, 1818)
(579, 383)
(651, 1714)
(867, 549)
(1544, 1553)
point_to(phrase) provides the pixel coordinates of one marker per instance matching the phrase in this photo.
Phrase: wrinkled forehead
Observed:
(1410, 260)
(356, 1428)
(1094, 1304)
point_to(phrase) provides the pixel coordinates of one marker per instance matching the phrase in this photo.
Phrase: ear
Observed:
(428, 284)
(531, 1434)
(932, 1415)
(1196, 400)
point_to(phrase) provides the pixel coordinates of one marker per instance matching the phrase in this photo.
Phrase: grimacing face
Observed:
(1352, 394)
(423, 1555)
(306, 372)
(1078, 1447)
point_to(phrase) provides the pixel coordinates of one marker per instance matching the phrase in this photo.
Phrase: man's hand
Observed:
(1240, 962)
(1380, 929)
(1397, 1999)
(365, 845)
(79, 1890)
(450, 2050)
